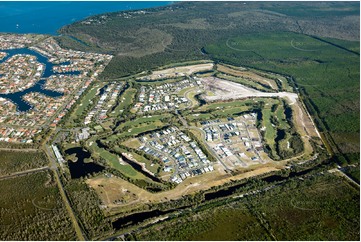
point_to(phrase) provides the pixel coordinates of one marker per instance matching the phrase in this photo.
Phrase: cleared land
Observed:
(226, 90)
(125, 100)
(248, 75)
(178, 71)
(108, 188)
(327, 78)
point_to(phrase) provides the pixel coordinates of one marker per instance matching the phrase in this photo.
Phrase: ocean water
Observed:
(48, 17)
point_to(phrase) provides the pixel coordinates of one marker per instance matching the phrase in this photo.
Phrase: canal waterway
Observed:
(17, 97)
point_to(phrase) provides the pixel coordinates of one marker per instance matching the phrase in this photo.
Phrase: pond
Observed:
(79, 168)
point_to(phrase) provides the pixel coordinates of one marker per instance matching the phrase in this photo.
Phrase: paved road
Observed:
(54, 167)
(208, 147)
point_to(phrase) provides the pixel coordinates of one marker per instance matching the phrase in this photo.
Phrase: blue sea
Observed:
(48, 17)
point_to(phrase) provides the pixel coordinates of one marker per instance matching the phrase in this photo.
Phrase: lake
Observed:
(80, 168)
(48, 17)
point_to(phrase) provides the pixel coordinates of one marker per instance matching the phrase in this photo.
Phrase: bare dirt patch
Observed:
(179, 71)
(118, 193)
(225, 90)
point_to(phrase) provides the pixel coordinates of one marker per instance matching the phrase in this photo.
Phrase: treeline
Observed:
(86, 206)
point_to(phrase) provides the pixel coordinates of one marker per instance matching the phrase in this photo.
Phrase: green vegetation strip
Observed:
(113, 161)
(125, 100)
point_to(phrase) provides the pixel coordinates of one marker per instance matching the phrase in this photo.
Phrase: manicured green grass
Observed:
(150, 165)
(86, 100)
(125, 100)
(270, 132)
(219, 110)
(281, 117)
(85, 103)
(32, 209)
(199, 116)
(230, 111)
(226, 105)
(142, 120)
(137, 130)
(183, 91)
(113, 160)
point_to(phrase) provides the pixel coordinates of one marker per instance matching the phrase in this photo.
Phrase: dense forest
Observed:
(141, 40)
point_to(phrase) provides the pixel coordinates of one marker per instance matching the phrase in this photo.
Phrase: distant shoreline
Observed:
(49, 17)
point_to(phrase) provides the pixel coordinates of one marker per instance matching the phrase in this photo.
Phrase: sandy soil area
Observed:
(225, 90)
(114, 188)
(179, 71)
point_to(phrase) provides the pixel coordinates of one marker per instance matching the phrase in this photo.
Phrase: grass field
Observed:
(281, 117)
(270, 132)
(32, 209)
(136, 130)
(274, 123)
(14, 161)
(114, 162)
(320, 208)
(142, 120)
(85, 103)
(149, 164)
(327, 74)
(125, 100)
